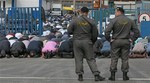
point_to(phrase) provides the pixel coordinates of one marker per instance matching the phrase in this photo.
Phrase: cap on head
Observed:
(84, 10)
(120, 9)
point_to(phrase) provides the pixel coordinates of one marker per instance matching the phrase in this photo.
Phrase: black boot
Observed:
(80, 77)
(112, 77)
(99, 78)
(125, 77)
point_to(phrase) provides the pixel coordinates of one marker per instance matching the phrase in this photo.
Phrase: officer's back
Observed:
(122, 27)
(82, 28)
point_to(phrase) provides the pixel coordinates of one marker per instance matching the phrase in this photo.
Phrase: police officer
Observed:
(85, 34)
(120, 28)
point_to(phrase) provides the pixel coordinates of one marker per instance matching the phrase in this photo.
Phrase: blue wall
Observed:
(145, 28)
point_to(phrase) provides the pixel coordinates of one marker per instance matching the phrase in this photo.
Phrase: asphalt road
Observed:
(38, 70)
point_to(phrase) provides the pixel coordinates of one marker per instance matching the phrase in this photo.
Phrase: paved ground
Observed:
(62, 71)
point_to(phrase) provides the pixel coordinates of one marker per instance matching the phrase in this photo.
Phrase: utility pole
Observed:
(61, 1)
(136, 13)
(101, 3)
(74, 4)
(135, 4)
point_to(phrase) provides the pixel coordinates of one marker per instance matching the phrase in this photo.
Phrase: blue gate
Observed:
(23, 20)
(107, 14)
(144, 24)
(103, 15)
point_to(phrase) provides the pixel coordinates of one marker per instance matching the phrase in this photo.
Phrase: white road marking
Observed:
(59, 78)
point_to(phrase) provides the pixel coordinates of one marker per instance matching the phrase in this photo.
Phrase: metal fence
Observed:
(23, 20)
(104, 16)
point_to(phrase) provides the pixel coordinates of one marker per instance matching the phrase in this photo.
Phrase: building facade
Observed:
(5, 3)
(24, 3)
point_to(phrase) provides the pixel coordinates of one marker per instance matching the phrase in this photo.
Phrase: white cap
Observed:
(18, 35)
(59, 26)
(45, 33)
(9, 36)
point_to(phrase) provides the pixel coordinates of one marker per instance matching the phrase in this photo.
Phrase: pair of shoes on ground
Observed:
(112, 77)
(125, 76)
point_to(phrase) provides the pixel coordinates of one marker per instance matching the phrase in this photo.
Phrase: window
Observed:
(56, 9)
(0, 4)
(3, 4)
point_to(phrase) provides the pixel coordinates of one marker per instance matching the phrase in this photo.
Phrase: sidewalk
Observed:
(62, 71)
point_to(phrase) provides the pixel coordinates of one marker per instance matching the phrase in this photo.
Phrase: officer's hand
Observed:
(131, 40)
(111, 40)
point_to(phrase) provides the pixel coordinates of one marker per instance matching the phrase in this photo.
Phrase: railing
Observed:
(23, 20)
(103, 16)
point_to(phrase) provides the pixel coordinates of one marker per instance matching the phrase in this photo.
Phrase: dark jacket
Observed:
(120, 27)
(66, 46)
(18, 48)
(35, 46)
(5, 45)
(83, 28)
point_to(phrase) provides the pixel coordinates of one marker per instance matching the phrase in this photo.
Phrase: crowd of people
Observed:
(47, 45)
(54, 41)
